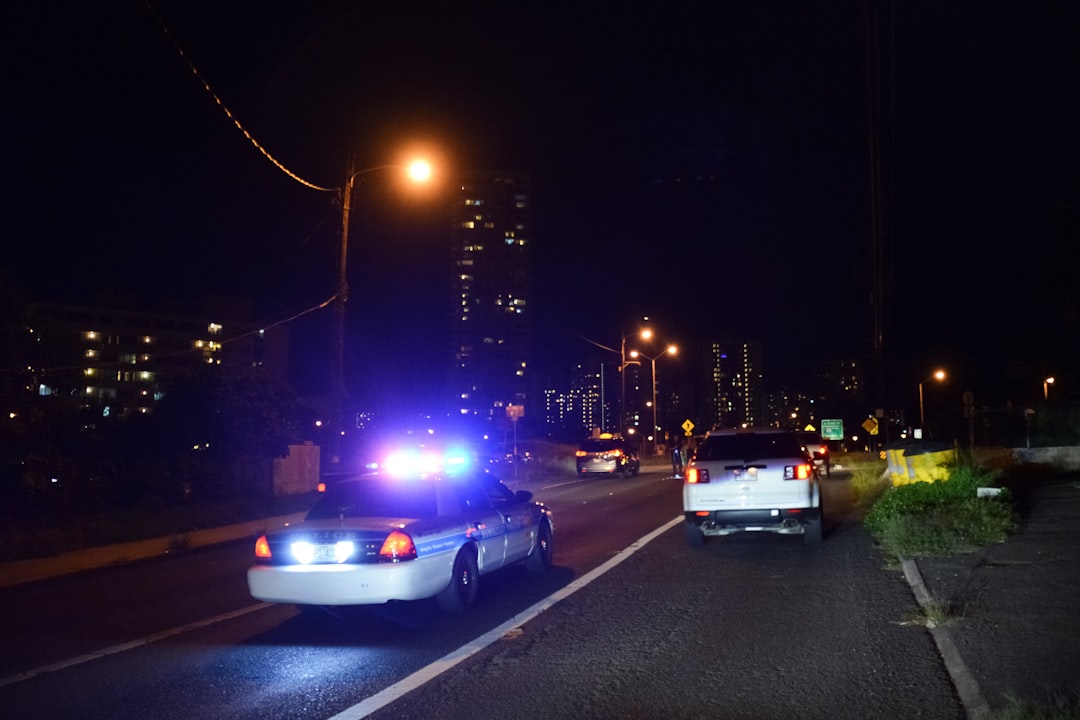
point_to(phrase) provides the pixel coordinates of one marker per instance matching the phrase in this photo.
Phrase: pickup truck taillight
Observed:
(697, 475)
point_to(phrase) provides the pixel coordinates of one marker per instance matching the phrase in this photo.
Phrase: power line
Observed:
(228, 113)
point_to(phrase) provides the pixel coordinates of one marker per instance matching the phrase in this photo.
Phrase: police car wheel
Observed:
(464, 586)
(540, 559)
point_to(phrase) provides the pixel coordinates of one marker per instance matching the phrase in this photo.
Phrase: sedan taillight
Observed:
(262, 548)
(397, 546)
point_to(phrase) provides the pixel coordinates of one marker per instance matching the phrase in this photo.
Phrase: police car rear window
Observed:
(399, 498)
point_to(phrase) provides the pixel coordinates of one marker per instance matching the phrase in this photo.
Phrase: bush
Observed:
(941, 518)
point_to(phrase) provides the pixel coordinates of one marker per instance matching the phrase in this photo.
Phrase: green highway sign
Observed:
(832, 429)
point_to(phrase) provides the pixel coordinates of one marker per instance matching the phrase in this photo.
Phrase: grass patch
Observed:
(868, 483)
(941, 518)
(934, 615)
(1054, 709)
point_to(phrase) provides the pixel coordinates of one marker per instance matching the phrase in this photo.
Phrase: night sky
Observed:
(705, 164)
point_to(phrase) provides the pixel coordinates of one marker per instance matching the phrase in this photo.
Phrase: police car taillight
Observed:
(697, 475)
(798, 472)
(262, 548)
(397, 546)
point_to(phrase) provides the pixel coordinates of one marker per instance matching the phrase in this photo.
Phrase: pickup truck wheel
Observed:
(464, 587)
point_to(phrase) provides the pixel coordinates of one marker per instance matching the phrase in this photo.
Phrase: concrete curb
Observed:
(967, 687)
(24, 571)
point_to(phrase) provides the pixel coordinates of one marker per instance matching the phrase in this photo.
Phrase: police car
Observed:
(404, 532)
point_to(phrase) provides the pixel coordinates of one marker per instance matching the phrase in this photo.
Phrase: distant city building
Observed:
(123, 361)
(840, 383)
(583, 407)
(791, 410)
(491, 318)
(730, 383)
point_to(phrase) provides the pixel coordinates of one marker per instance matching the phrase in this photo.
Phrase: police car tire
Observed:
(540, 559)
(464, 586)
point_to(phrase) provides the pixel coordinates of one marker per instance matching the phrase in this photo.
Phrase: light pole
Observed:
(670, 350)
(644, 334)
(938, 375)
(418, 171)
(1046, 387)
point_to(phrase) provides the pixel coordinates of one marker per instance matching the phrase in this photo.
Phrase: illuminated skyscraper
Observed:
(491, 320)
(731, 382)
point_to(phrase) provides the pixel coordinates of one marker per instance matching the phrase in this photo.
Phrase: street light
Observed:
(938, 375)
(670, 350)
(1046, 387)
(418, 171)
(644, 334)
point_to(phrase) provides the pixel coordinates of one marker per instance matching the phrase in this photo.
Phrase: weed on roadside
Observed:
(868, 483)
(941, 518)
(934, 614)
(1059, 708)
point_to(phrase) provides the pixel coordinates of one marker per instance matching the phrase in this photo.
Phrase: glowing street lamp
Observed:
(418, 171)
(1046, 387)
(938, 375)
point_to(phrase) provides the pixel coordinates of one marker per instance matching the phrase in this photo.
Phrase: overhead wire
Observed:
(228, 113)
(258, 146)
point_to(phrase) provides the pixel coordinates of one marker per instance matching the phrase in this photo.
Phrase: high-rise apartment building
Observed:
(584, 407)
(491, 320)
(731, 383)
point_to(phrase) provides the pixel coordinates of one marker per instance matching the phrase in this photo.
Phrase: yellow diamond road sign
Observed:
(688, 427)
(870, 425)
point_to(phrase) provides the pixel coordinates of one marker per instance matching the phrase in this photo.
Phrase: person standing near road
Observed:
(677, 458)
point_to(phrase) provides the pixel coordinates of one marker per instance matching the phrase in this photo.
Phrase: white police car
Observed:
(403, 534)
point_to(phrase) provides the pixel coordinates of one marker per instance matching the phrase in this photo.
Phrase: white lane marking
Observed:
(97, 654)
(399, 689)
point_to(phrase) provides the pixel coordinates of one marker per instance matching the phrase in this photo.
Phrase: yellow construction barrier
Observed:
(895, 464)
(919, 461)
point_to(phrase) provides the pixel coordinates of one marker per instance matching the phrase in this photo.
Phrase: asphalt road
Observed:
(753, 626)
